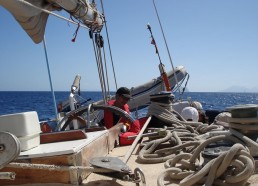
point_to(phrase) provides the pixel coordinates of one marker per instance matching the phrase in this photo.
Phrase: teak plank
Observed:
(62, 136)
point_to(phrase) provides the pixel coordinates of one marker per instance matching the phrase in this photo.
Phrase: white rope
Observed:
(165, 113)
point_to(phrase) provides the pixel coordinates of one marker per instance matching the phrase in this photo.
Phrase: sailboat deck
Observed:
(151, 172)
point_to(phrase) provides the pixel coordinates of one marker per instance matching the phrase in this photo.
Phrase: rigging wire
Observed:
(105, 62)
(49, 76)
(96, 45)
(186, 78)
(165, 42)
(96, 57)
(99, 44)
(109, 46)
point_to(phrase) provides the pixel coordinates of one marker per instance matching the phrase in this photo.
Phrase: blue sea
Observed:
(42, 102)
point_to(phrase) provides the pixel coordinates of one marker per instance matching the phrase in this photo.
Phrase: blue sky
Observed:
(216, 41)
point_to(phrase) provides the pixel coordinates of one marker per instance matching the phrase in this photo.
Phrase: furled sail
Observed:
(33, 20)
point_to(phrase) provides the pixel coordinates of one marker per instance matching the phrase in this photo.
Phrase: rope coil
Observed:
(181, 150)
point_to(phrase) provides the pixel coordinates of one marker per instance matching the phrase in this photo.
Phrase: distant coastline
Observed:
(240, 89)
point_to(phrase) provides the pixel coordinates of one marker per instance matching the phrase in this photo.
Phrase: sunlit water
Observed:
(42, 102)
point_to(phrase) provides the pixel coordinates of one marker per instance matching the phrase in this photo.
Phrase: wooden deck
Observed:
(79, 155)
(151, 171)
(61, 154)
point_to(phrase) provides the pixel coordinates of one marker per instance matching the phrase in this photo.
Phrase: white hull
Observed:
(141, 94)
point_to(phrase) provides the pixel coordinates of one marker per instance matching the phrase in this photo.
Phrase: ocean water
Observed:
(42, 102)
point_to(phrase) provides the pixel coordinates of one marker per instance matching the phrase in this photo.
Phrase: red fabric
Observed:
(142, 121)
(135, 127)
(134, 130)
(108, 116)
(123, 138)
(45, 128)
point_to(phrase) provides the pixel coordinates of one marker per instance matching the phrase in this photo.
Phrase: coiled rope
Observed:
(184, 142)
(165, 113)
(232, 167)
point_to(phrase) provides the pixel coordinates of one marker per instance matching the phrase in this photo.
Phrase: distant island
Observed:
(235, 89)
(240, 89)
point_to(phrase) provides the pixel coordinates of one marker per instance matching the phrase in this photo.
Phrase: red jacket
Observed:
(133, 130)
(108, 116)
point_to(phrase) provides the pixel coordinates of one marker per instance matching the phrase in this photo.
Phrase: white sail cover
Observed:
(33, 20)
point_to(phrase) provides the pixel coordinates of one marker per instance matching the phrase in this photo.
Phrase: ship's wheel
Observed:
(75, 114)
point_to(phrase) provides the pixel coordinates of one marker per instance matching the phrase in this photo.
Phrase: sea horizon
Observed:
(115, 91)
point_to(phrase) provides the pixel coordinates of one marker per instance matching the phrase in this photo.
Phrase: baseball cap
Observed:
(123, 91)
(197, 105)
(190, 113)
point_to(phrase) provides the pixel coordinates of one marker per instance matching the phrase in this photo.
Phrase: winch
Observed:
(9, 150)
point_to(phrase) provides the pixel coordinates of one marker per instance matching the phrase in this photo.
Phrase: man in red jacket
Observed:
(110, 119)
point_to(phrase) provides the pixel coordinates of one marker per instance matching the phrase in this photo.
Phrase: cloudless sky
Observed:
(216, 41)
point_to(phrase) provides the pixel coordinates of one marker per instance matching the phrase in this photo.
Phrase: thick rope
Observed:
(145, 155)
(216, 167)
(181, 136)
(165, 113)
(184, 143)
(186, 167)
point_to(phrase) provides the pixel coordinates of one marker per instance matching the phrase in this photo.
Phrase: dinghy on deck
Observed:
(141, 94)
